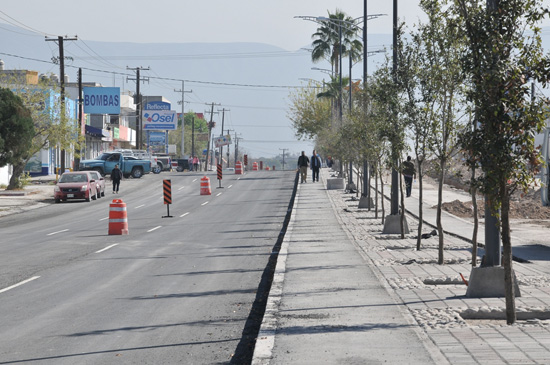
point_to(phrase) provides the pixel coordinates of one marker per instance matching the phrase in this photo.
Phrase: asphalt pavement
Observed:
(344, 293)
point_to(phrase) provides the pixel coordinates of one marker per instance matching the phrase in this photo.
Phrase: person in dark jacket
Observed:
(315, 166)
(116, 176)
(303, 163)
(409, 172)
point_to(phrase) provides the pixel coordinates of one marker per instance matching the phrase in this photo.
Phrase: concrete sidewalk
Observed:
(327, 304)
(344, 293)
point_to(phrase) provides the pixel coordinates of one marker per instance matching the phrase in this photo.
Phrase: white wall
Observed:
(5, 174)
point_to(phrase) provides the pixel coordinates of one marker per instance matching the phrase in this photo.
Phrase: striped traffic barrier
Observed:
(238, 168)
(255, 166)
(118, 220)
(205, 186)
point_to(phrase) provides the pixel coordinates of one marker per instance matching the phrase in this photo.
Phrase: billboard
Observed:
(157, 141)
(223, 141)
(159, 120)
(158, 116)
(101, 100)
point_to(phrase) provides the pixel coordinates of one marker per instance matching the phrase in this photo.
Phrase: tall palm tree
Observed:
(326, 43)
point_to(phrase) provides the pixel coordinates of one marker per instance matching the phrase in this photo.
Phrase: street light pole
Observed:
(366, 171)
(394, 175)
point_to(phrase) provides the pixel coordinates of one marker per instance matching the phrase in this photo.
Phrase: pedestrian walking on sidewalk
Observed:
(303, 163)
(116, 176)
(315, 166)
(409, 172)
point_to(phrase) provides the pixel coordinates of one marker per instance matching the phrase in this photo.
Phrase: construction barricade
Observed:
(255, 166)
(118, 219)
(205, 186)
(238, 168)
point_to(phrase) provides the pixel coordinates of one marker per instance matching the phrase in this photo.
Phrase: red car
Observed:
(75, 185)
(99, 182)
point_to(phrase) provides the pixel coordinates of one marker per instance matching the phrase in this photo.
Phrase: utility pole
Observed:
(228, 148)
(61, 60)
(210, 126)
(236, 148)
(139, 106)
(221, 147)
(80, 116)
(193, 137)
(283, 149)
(182, 115)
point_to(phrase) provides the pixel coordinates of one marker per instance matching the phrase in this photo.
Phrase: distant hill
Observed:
(257, 113)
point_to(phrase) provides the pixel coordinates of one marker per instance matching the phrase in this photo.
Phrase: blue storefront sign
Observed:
(102, 100)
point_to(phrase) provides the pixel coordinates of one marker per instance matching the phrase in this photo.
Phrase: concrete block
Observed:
(392, 225)
(336, 183)
(488, 282)
(365, 203)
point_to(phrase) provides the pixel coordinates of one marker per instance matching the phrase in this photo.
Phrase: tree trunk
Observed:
(15, 178)
(402, 215)
(507, 256)
(376, 192)
(420, 197)
(473, 190)
(382, 197)
(440, 259)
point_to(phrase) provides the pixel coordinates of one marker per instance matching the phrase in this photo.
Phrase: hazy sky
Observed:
(184, 21)
(203, 21)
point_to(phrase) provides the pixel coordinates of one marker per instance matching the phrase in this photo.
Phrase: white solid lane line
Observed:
(139, 206)
(184, 214)
(154, 229)
(19, 284)
(64, 230)
(106, 248)
(204, 203)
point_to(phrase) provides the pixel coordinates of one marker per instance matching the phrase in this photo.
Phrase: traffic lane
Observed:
(64, 232)
(165, 298)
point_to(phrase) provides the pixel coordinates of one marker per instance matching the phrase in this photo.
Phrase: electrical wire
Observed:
(23, 25)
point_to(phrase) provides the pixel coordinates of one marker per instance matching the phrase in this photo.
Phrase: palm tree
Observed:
(326, 44)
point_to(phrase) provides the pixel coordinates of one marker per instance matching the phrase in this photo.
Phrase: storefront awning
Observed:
(96, 132)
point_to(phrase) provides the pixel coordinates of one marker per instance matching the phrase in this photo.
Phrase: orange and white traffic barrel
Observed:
(255, 166)
(205, 186)
(118, 219)
(238, 168)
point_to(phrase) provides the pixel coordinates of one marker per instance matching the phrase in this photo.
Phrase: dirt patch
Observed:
(522, 205)
(524, 209)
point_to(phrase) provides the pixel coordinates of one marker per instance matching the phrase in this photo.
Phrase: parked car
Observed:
(75, 185)
(100, 183)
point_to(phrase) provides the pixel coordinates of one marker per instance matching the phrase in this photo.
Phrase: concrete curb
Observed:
(265, 342)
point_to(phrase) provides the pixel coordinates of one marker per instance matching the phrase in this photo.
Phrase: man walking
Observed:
(116, 176)
(409, 172)
(303, 163)
(315, 166)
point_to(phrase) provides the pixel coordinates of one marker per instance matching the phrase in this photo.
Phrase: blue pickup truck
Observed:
(105, 163)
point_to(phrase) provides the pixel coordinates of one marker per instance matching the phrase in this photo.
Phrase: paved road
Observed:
(176, 290)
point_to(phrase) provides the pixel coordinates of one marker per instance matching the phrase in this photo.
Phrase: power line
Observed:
(167, 78)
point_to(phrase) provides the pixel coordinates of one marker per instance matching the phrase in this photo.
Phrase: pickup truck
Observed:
(105, 163)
